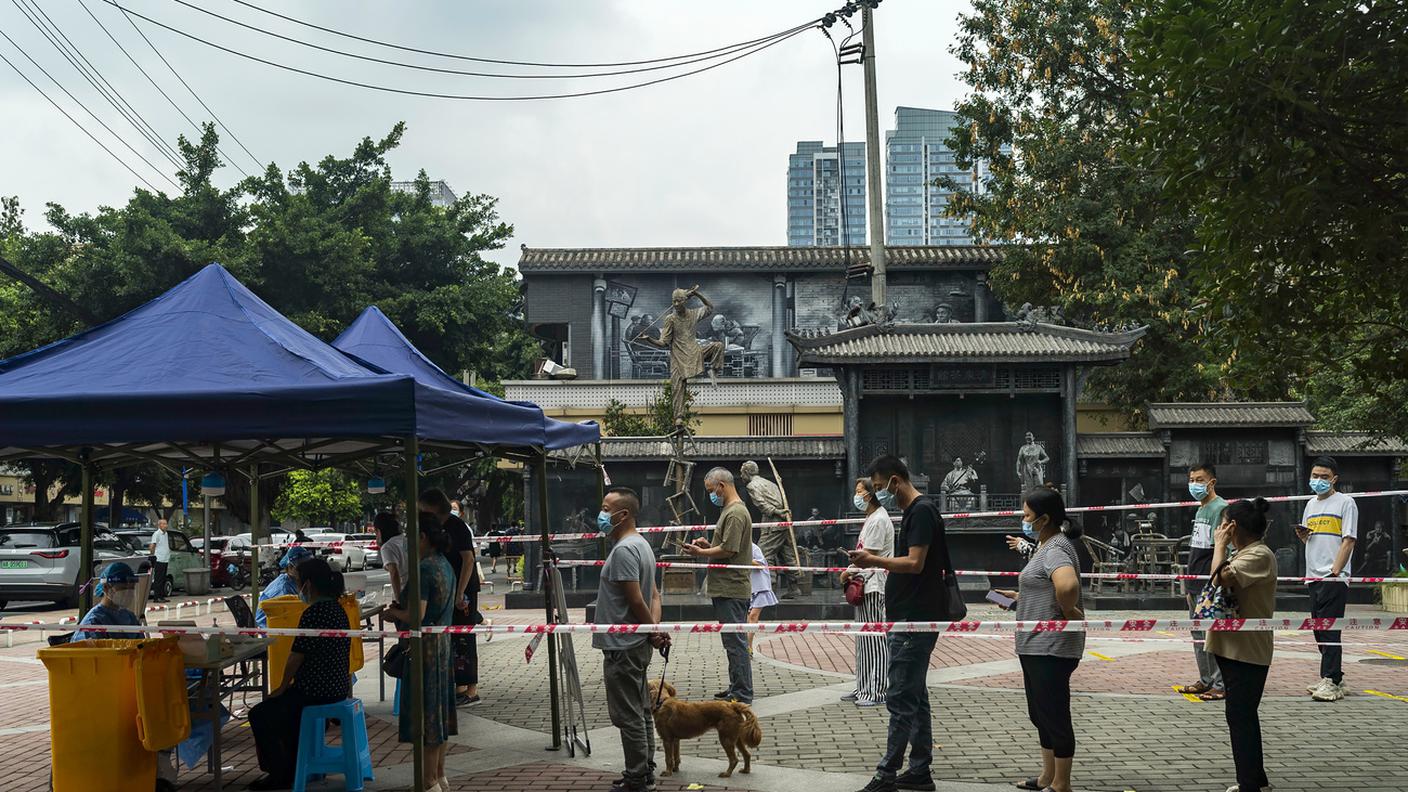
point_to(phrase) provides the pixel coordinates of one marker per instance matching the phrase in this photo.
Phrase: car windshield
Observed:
(111, 542)
(14, 540)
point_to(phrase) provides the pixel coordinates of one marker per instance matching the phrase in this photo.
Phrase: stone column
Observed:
(1068, 433)
(779, 323)
(980, 298)
(850, 419)
(599, 329)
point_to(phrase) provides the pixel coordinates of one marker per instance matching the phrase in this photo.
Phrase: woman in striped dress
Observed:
(877, 536)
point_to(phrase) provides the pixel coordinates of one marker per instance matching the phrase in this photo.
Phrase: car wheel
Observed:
(3, 603)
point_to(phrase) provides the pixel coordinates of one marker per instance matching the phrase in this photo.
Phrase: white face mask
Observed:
(455, 512)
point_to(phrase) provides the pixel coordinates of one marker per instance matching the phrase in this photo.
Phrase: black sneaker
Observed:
(880, 784)
(622, 785)
(913, 781)
(722, 694)
(466, 700)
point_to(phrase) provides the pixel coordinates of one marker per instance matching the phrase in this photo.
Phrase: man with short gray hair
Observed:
(776, 543)
(732, 544)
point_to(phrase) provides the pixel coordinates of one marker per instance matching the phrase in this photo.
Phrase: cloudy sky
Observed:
(696, 161)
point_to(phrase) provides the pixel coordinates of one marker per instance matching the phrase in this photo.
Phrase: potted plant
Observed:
(1395, 595)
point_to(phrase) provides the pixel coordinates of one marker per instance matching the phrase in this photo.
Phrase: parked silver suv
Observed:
(41, 561)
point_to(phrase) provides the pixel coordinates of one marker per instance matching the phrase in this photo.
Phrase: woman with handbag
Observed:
(1049, 589)
(1242, 587)
(437, 593)
(865, 589)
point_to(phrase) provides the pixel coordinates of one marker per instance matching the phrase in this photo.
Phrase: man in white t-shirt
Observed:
(1328, 528)
(160, 550)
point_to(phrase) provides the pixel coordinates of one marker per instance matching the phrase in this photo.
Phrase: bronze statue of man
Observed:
(688, 356)
(777, 543)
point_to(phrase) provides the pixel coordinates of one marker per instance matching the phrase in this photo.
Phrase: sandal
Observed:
(1197, 688)
(1030, 783)
(1213, 695)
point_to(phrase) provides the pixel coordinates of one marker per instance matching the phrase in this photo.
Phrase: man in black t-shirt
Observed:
(914, 592)
(466, 594)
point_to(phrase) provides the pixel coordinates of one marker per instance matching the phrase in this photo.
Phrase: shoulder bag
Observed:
(1216, 602)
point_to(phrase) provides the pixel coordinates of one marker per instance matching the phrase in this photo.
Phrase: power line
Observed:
(466, 97)
(499, 75)
(85, 131)
(191, 90)
(93, 78)
(159, 89)
(500, 61)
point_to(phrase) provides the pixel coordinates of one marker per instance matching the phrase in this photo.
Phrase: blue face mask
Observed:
(1028, 529)
(1320, 486)
(1198, 491)
(885, 498)
(715, 499)
(861, 503)
(603, 520)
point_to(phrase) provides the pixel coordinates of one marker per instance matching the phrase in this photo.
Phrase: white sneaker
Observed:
(1312, 689)
(1329, 692)
(1238, 788)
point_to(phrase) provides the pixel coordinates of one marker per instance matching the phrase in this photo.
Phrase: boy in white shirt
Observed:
(1329, 528)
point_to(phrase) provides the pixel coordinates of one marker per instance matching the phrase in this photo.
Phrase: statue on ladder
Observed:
(688, 356)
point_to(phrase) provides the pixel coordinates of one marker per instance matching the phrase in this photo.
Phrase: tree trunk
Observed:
(43, 512)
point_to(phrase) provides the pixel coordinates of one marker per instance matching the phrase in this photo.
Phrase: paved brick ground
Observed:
(545, 775)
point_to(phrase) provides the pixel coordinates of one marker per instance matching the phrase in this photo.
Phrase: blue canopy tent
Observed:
(210, 376)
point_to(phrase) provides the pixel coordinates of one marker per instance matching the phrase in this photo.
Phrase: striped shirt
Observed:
(1037, 600)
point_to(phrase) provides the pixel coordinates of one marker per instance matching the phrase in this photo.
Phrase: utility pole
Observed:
(872, 160)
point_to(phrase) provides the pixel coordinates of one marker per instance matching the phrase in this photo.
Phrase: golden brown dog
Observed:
(677, 720)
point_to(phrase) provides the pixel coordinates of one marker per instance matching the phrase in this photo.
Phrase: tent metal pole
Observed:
(85, 542)
(256, 579)
(540, 472)
(414, 699)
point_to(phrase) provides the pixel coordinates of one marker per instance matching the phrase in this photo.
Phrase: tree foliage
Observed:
(1283, 128)
(317, 496)
(658, 419)
(1051, 109)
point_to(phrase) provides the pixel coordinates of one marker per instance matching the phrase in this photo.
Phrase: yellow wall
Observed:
(733, 421)
(1097, 417)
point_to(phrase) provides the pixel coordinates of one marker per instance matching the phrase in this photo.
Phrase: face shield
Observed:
(123, 595)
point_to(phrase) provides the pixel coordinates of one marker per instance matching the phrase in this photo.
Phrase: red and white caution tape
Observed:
(973, 626)
(976, 572)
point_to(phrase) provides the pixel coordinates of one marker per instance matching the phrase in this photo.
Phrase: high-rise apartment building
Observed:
(440, 193)
(916, 155)
(817, 196)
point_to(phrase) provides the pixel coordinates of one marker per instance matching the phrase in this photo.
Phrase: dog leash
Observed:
(660, 689)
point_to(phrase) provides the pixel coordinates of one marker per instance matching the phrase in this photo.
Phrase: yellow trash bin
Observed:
(163, 710)
(284, 612)
(93, 717)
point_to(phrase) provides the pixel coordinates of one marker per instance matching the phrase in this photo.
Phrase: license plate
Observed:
(13, 564)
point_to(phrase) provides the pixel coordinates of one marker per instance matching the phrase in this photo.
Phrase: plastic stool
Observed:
(352, 759)
(396, 700)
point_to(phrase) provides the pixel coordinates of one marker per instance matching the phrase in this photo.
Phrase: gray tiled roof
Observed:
(1192, 415)
(989, 342)
(1119, 444)
(765, 259)
(1353, 444)
(794, 447)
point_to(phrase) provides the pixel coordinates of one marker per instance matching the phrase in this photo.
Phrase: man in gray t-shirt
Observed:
(627, 595)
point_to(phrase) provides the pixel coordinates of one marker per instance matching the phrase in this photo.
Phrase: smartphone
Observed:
(1006, 603)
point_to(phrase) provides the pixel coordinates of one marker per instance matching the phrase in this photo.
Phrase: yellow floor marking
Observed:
(1188, 696)
(1383, 654)
(1386, 695)
(1102, 657)
(1169, 634)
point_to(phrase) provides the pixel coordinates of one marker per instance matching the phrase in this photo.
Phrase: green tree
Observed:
(1051, 110)
(657, 421)
(1283, 128)
(315, 496)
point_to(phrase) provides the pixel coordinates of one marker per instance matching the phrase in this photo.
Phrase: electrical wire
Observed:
(82, 128)
(158, 88)
(464, 97)
(499, 75)
(191, 90)
(96, 80)
(500, 61)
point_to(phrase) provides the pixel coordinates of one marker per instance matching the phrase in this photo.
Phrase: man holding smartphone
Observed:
(1329, 528)
(1202, 485)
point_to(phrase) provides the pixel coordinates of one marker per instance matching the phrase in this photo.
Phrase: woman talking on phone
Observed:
(1048, 589)
(872, 652)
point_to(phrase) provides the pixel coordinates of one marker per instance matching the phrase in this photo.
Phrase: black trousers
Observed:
(274, 722)
(1245, 684)
(1047, 680)
(158, 584)
(467, 646)
(1327, 600)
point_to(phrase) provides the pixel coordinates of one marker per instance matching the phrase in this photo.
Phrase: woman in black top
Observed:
(316, 673)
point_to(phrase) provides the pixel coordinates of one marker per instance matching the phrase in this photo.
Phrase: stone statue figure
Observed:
(775, 542)
(1031, 464)
(944, 314)
(960, 480)
(689, 357)
(860, 313)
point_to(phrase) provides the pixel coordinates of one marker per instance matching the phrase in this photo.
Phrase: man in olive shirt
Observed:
(732, 543)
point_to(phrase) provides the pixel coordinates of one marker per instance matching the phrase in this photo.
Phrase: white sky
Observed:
(696, 161)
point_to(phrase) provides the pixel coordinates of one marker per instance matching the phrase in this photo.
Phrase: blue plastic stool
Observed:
(396, 701)
(352, 759)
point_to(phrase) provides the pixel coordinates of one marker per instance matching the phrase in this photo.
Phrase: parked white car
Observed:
(345, 557)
